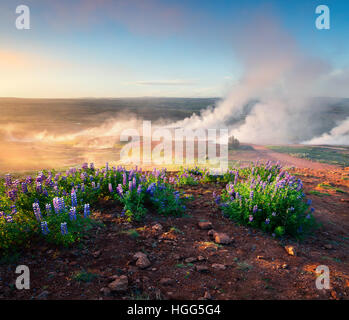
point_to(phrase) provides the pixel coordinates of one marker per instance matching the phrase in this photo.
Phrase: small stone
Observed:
(137, 255)
(211, 233)
(190, 260)
(120, 284)
(290, 250)
(153, 269)
(328, 246)
(222, 238)
(284, 266)
(260, 257)
(157, 227)
(167, 282)
(205, 225)
(201, 268)
(207, 295)
(43, 295)
(201, 258)
(96, 254)
(219, 266)
(105, 291)
(143, 262)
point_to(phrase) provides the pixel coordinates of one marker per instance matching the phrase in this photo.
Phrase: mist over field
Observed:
(45, 133)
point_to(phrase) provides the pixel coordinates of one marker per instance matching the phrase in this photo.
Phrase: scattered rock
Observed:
(291, 250)
(190, 260)
(143, 262)
(328, 246)
(284, 266)
(138, 255)
(205, 225)
(207, 295)
(167, 282)
(105, 291)
(157, 227)
(219, 266)
(201, 258)
(96, 254)
(43, 295)
(211, 233)
(222, 238)
(201, 268)
(261, 258)
(120, 284)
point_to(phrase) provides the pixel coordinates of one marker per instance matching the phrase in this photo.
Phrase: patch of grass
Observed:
(83, 276)
(330, 187)
(332, 155)
(244, 266)
(176, 230)
(132, 233)
(318, 193)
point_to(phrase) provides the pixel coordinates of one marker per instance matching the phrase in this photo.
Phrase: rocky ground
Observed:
(201, 255)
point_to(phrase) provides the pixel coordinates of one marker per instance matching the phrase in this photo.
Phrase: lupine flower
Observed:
(8, 180)
(9, 219)
(309, 202)
(120, 190)
(74, 201)
(64, 229)
(255, 209)
(37, 211)
(38, 187)
(86, 210)
(139, 189)
(250, 218)
(72, 214)
(44, 228)
(124, 179)
(84, 166)
(48, 208)
(273, 214)
(267, 221)
(92, 166)
(251, 195)
(130, 185)
(12, 194)
(110, 188)
(24, 187)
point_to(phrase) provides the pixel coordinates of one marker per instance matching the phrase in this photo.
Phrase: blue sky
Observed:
(105, 48)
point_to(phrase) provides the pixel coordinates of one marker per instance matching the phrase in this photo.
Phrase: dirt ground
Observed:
(186, 263)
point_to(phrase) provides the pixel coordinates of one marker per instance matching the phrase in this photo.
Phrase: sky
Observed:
(134, 48)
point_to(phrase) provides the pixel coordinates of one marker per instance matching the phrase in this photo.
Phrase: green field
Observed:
(337, 155)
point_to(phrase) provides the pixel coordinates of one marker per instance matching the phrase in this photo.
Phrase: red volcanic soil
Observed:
(186, 263)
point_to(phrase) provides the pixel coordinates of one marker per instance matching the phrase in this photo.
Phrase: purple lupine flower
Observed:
(86, 210)
(110, 186)
(309, 202)
(120, 190)
(72, 214)
(124, 179)
(84, 166)
(24, 187)
(8, 180)
(12, 194)
(134, 182)
(251, 195)
(74, 201)
(37, 211)
(13, 210)
(130, 185)
(64, 229)
(48, 208)
(250, 218)
(255, 209)
(107, 166)
(273, 214)
(307, 216)
(312, 210)
(83, 187)
(44, 228)
(267, 221)
(92, 166)
(38, 187)
(9, 219)
(139, 189)
(29, 180)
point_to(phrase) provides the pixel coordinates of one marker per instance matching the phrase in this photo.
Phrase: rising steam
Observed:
(272, 102)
